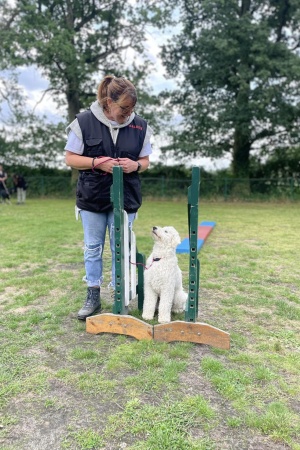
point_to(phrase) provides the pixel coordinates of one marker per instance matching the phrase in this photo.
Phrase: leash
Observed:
(102, 162)
(145, 267)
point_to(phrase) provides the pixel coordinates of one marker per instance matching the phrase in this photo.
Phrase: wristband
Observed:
(93, 164)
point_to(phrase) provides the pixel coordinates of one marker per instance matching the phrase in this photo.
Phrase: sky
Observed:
(34, 85)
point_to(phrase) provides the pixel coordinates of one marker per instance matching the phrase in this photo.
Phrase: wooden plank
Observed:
(119, 324)
(199, 333)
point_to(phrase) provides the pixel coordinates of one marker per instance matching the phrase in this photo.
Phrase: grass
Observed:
(112, 392)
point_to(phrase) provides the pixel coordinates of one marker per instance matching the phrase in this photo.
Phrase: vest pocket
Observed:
(94, 188)
(94, 146)
(132, 192)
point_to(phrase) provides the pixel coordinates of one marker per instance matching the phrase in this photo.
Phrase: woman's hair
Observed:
(119, 90)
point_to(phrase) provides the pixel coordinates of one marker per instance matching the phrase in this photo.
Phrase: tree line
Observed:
(237, 63)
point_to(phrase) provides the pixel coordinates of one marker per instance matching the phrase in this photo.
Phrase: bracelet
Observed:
(97, 157)
(93, 163)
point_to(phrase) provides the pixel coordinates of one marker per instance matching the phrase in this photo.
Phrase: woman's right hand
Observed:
(107, 165)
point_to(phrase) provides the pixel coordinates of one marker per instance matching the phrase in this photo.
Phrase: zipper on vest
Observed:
(114, 142)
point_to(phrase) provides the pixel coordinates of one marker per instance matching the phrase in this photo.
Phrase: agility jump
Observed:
(126, 288)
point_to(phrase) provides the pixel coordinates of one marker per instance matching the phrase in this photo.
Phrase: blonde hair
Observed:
(118, 89)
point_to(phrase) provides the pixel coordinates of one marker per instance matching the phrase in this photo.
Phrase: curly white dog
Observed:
(162, 277)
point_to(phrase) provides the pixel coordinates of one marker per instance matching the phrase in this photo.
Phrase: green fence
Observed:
(226, 188)
(210, 188)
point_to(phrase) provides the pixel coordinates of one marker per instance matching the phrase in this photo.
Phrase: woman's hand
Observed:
(107, 165)
(128, 165)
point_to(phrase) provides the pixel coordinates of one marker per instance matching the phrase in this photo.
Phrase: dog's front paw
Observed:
(147, 317)
(164, 320)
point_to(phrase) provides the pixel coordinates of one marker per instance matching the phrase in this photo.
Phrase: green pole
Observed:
(225, 189)
(191, 312)
(117, 198)
(292, 188)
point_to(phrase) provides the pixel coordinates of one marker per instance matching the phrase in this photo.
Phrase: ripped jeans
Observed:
(94, 230)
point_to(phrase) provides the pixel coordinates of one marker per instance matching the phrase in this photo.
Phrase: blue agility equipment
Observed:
(204, 230)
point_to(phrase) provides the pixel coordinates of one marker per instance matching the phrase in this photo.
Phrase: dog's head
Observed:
(167, 236)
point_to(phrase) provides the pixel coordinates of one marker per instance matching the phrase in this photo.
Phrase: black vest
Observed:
(93, 188)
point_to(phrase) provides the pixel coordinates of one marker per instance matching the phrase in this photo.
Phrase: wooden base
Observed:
(199, 333)
(118, 324)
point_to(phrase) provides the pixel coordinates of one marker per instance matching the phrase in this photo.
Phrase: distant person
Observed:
(20, 186)
(4, 193)
(108, 134)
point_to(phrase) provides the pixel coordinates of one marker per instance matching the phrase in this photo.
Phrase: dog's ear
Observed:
(176, 239)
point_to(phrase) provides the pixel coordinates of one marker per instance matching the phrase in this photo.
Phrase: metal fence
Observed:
(226, 188)
(162, 187)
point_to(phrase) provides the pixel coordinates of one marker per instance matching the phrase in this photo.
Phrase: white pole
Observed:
(126, 259)
(132, 266)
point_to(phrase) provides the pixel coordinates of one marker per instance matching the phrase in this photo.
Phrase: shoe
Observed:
(92, 304)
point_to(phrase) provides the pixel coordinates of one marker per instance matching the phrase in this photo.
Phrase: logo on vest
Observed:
(136, 126)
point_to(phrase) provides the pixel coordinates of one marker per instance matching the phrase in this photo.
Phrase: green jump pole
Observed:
(117, 198)
(191, 312)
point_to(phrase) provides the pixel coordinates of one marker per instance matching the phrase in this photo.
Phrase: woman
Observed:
(106, 135)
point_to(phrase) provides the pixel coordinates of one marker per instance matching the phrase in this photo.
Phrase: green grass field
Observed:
(61, 388)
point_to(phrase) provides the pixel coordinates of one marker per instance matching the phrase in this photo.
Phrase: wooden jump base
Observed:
(119, 322)
(199, 333)
(113, 323)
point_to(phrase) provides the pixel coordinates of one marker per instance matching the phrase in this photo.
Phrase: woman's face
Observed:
(117, 112)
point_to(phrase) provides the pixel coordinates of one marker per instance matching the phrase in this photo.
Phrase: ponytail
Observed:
(102, 93)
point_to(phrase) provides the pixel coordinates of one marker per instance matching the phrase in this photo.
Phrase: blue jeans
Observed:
(94, 230)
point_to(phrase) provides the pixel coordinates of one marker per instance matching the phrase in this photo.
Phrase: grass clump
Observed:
(164, 426)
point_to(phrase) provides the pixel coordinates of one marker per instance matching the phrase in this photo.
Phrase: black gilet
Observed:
(93, 188)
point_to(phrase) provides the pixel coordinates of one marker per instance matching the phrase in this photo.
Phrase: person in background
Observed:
(20, 186)
(4, 193)
(108, 134)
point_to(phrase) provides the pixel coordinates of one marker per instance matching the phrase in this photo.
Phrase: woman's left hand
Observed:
(128, 165)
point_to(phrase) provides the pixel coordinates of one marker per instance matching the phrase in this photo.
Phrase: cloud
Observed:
(158, 79)
(31, 79)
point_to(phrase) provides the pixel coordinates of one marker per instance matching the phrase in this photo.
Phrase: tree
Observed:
(279, 165)
(25, 137)
(72, 41)
(240, 67)
(75, 42)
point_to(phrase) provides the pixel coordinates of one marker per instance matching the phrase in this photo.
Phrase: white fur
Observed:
(163, 278)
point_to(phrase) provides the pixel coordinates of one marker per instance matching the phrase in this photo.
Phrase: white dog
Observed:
(162, 277)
